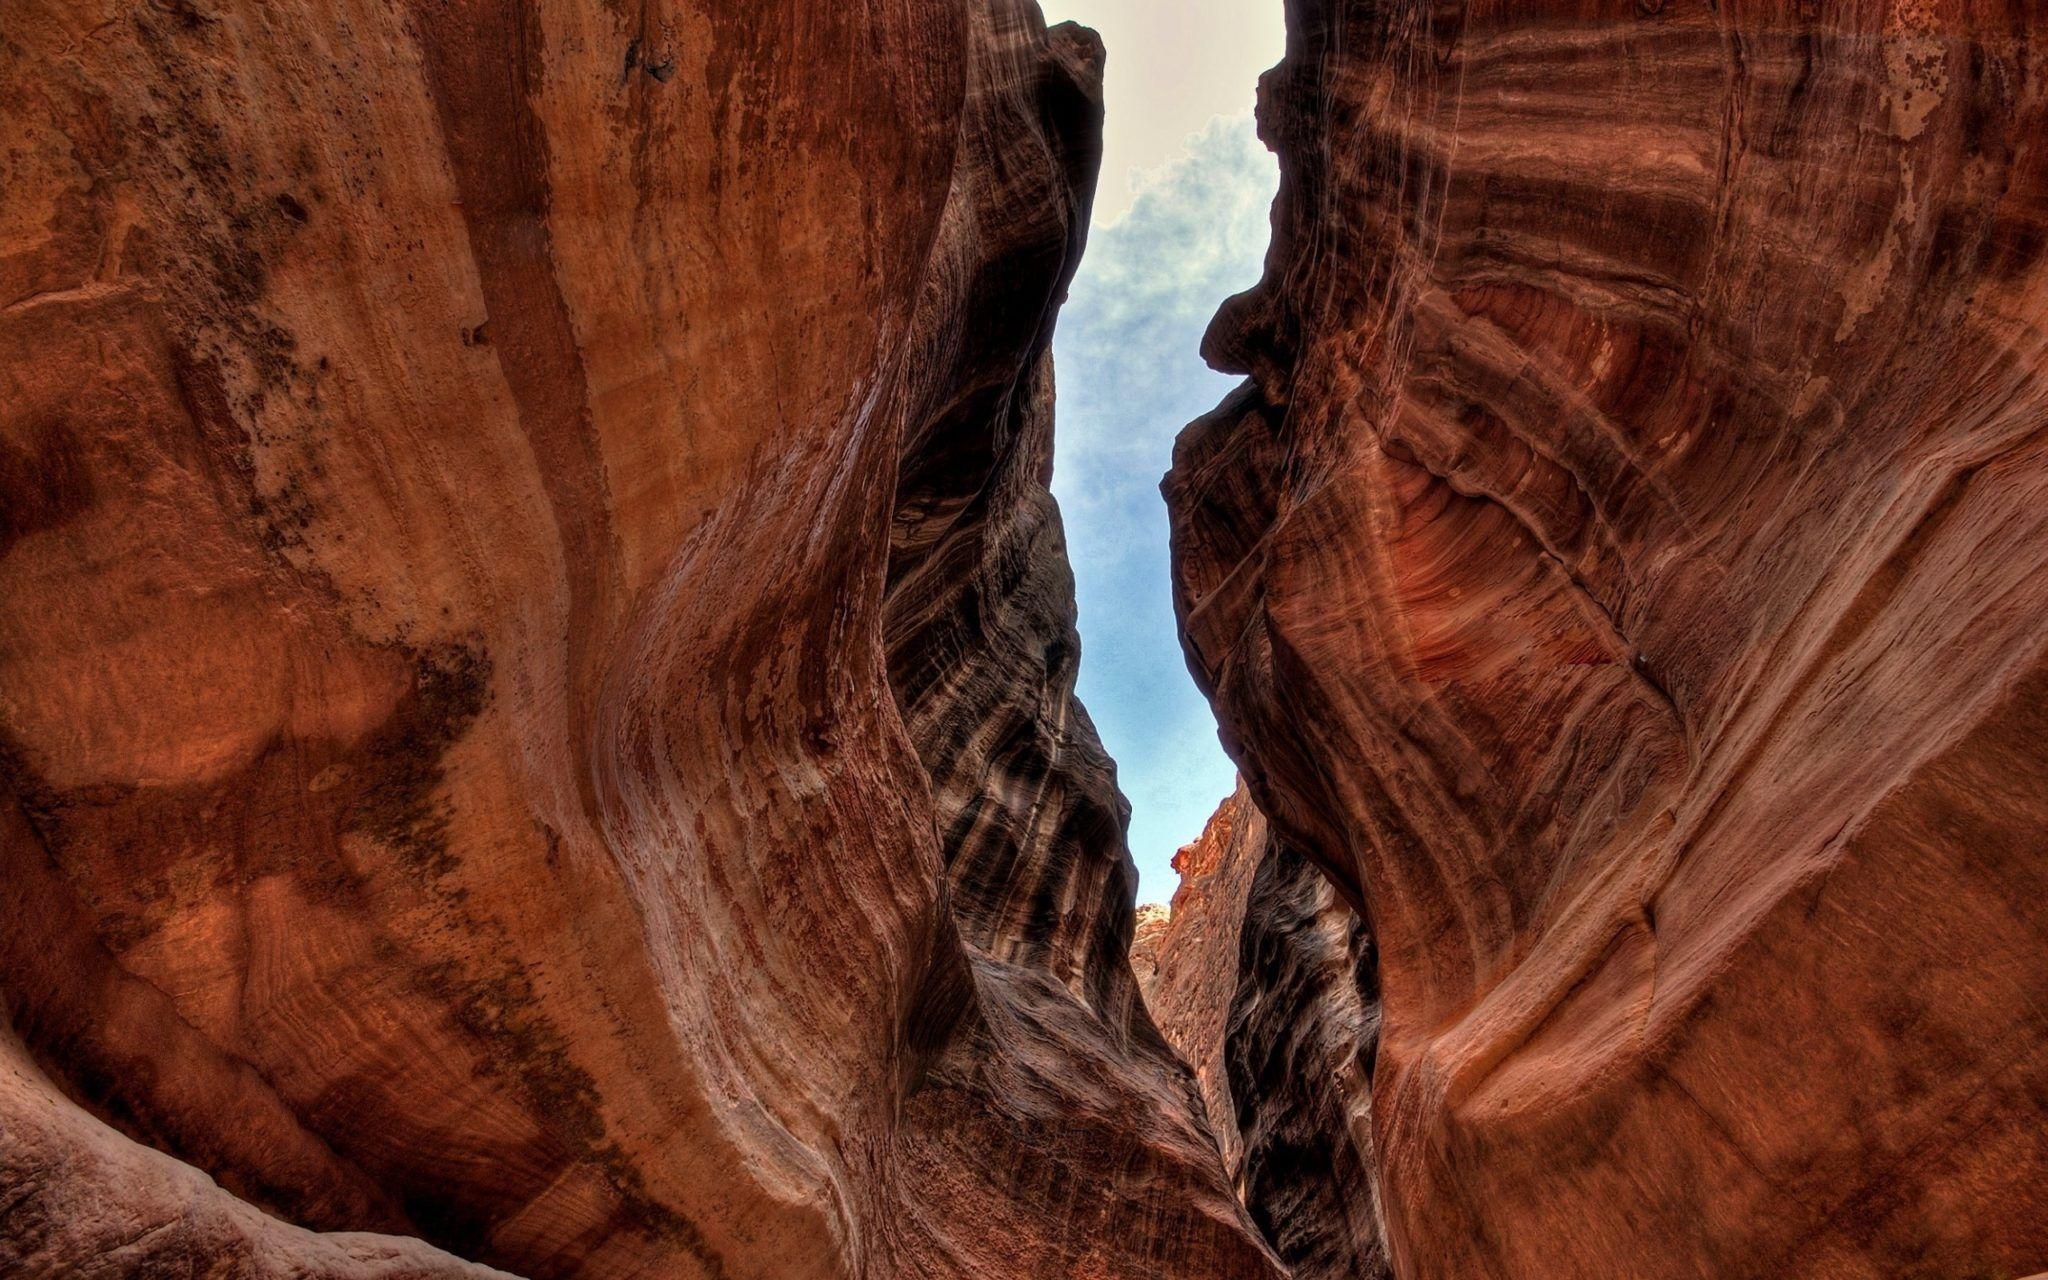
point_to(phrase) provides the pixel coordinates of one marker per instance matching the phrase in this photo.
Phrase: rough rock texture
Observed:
(536, 661)
(1194, 964)
(1265, 984)
(1625, 574)
(1153, 922)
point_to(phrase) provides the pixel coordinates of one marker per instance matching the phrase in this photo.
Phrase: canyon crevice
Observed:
(537, 659)
(1624, 574)
(1263, 978)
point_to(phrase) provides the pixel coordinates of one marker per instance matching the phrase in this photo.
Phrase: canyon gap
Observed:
(537, 658)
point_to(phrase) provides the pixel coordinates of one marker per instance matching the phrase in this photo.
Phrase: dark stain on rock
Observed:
(43, 481)
(401, 762)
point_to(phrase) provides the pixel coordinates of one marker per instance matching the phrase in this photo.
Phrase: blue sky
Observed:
(1181, 223)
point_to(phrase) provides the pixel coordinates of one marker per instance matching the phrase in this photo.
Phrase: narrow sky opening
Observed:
(1180, 224)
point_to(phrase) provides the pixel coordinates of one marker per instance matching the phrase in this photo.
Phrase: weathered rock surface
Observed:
(1625, 575)
(1194, 957)
(1148, 933)
(1303, 1030)
(1264, 982)
(536, 660)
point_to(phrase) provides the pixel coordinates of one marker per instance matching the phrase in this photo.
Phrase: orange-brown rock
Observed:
(1148, 932)
(536, 660)
(1194, 957)
(1264, 982)
(1625, 575)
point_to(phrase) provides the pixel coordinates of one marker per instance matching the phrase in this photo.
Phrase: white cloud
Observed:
(1173, 64)
(1130, 376)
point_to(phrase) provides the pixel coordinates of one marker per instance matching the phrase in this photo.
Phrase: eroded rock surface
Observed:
(1194, 957)
(1147, 934)
(1303, 1032)
(1624, 573)
(536, 661)
(1265, 983)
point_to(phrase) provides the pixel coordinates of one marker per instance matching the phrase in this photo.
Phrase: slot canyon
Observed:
(538, 731)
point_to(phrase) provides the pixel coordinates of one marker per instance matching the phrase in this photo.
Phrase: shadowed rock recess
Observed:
(1263, 979)
(1624, 574)
(537, 660)
(1299, 1051)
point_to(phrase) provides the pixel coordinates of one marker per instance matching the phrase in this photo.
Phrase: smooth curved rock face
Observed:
(1264, 981)
(1055, 1134)
(84, 1201)
(527, 604)
(1625, 574)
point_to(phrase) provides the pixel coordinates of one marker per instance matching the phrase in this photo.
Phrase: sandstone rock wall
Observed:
(1264, 982)
(1300, 1044)
(536, 661)
(1624, 573)
(1194, 971)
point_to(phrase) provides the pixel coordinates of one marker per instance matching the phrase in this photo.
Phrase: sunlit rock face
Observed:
(536, 661)
(1264, 982)
(1193, 971)
(1625, 575)
(1152, 926)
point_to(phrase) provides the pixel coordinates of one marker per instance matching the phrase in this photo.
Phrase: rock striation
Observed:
(1264, 982)
(1624, 575)
(536, 658)
(1300, 1043)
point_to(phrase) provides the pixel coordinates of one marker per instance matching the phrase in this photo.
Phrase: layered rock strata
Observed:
(1624, 574)
(536, 661)
(1300, 1044)
(1264, 982)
